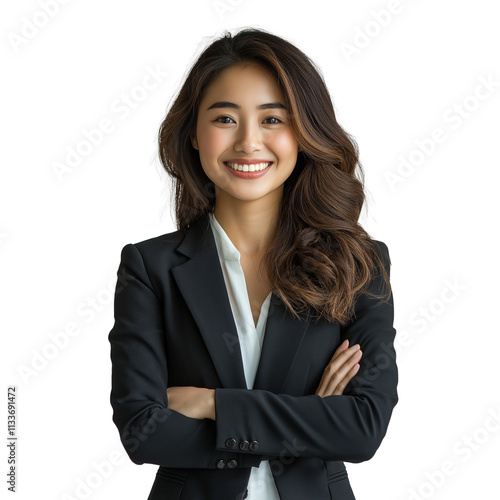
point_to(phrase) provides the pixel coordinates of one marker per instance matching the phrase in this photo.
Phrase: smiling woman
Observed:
(242, 134)
(252, 351)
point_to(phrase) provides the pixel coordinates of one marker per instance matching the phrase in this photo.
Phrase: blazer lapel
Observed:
(282, 338)
(201, 282)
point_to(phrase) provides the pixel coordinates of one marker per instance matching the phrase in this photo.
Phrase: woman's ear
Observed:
(194, 142)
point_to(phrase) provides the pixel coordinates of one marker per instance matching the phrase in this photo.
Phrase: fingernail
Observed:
(355, 346)
(357, 354)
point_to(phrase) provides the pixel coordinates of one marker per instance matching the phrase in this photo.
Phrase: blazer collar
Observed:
(201, 283)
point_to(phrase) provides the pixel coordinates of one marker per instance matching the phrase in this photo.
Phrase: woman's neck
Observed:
(250, 225)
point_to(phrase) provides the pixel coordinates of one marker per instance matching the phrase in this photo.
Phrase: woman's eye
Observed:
(223, 119)
(274, 118)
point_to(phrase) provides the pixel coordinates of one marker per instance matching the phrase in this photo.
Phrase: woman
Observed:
(237, 344)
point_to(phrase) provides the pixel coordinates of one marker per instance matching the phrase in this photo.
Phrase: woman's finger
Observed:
(340, 356)
(337, 369)
(342, 373)
(343, 383)
(343, 348)
(340, 349)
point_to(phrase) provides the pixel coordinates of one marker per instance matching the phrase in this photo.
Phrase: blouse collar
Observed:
(225, 247)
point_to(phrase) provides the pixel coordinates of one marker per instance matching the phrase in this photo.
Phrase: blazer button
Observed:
(232, 464)
(254, 445)
(221, 464)
(244, 445)
(230, 442)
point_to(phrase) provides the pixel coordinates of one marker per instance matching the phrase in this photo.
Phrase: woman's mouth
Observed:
(253, 167)
(248, 171)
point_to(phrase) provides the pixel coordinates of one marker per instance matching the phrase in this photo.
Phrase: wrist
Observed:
(211, 404)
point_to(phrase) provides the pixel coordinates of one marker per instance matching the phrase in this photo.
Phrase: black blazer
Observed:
(174, 327)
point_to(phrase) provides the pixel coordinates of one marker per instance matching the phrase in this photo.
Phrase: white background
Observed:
(394, 78)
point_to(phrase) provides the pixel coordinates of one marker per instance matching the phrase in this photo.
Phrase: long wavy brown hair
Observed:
(321, 257)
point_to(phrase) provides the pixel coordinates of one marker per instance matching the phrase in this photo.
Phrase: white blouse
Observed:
(261, 485)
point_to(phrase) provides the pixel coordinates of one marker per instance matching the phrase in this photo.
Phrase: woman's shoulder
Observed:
(383, 252)
(162, 241)
(157, 249)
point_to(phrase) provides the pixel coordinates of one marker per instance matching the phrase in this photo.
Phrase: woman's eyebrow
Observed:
(227, 104)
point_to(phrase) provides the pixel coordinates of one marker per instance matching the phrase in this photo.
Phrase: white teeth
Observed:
(254, 167)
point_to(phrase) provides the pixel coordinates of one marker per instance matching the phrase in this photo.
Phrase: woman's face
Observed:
(242, 120)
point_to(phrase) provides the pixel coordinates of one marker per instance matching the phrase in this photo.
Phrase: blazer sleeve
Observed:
(149, 431)
(348, 427)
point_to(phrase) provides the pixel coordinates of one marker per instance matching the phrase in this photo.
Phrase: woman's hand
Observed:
(198, 402)
(340, 370)
(193, 402)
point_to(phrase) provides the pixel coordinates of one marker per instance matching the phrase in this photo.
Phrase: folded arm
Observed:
(149, 431)
(347, 427)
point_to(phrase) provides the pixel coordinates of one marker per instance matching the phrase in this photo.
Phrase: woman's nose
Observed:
(248, 138)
